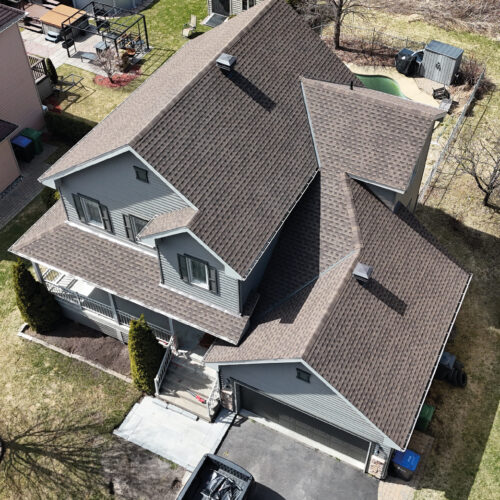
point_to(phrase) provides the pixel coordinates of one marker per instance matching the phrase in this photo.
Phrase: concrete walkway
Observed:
(26, 187)
(173, 436)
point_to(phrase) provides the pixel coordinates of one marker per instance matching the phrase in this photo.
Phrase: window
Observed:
(197, 272)
(92, 212)
(303, 375)
(141, 174)
(133, 226)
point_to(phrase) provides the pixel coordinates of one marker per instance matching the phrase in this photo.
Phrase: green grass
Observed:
(56, 413)
(164, 20)
(465, 460)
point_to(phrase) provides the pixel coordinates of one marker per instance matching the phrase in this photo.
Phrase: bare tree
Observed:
(325, 11)
(108, 61)
(480, 158)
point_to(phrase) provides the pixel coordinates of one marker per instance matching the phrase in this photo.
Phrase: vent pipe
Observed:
(225, 62)
(362, 273)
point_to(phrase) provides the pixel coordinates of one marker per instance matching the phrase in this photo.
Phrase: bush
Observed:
(145, 355)
(37, 305)
(50, 196)
(51, 71)
(67, 127)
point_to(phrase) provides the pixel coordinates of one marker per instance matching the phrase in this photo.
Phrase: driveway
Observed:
(286, 469)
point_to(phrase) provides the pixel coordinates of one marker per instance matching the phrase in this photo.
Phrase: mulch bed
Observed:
(119, 79)
(90, 344)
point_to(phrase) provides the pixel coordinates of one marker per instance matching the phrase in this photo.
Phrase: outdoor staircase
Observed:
(187, 373)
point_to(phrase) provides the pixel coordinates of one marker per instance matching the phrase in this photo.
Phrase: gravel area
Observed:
(90, 344)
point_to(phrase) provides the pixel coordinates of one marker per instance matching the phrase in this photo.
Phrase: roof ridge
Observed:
(185, 90)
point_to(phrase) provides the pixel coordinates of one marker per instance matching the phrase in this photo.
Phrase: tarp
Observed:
(61, 13)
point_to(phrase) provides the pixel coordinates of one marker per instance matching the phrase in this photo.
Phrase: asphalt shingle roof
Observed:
(121, 270)
(9, 16)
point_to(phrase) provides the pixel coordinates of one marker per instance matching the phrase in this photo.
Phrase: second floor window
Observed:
(197, 272)
(133, 226)
(92, 212)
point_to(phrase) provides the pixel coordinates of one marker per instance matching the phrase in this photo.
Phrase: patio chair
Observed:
(189, 28)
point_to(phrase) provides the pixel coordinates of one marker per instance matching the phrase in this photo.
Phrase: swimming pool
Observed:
(382, 83)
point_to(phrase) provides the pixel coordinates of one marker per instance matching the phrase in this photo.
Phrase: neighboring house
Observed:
(230, 7)
(19, 101)
(233, 204)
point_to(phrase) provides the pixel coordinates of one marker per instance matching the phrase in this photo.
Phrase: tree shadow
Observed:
(55, 456)
(464, 418)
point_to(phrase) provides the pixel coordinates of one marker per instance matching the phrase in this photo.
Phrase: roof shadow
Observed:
(386, 296)
(250, 89)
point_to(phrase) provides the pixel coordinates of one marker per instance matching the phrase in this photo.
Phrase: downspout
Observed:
(437, 362)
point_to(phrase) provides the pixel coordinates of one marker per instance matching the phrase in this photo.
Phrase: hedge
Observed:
(37, 305)
(145, 355)
(50, 196)
(67, 127)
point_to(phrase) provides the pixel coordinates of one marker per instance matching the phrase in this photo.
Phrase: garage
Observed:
(302, 423)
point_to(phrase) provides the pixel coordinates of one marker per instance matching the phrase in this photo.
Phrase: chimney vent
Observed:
(362, 273)
(226, 61)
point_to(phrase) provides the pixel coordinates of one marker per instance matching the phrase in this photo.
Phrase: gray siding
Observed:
(439, 68)
(279, 381)
(168, 249)
(387, 196)
(235, 6)
(113, 183)
(255, 277)
(410, 197)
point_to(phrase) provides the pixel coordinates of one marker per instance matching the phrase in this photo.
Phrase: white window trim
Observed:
(84, 200)
(189, 260)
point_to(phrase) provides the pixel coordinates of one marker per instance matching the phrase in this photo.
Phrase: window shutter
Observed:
(79, 208)
(106, 218)
(212, 280)
(183, 269)
(128, 227)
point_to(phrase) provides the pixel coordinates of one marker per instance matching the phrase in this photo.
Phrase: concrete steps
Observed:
(183, 375)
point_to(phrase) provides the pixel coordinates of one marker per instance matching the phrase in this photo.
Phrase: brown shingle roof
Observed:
(368, 134)
(365, 341)
(246, 151)
(166, 222)
(117, 268)
(9, 16)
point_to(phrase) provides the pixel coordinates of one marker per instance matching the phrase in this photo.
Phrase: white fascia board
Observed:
(391, 443)
(228, 269)
(50, 181)
(312, 370)
(120, 295)
(378, 184)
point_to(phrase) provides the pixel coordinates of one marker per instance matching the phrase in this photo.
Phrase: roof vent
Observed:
(226, 61)
(362, 273)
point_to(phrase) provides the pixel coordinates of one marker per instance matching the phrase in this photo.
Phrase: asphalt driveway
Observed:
(286, 469)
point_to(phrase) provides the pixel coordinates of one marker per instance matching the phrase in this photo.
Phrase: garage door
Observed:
(304, 424)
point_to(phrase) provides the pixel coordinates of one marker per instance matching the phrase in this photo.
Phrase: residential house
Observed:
(228, 8)
(252, 198)
(19, 101)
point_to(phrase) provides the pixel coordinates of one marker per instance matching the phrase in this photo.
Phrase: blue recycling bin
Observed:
(24, 149)
(404, 464)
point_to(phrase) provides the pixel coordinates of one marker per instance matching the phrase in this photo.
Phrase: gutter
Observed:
(431, 379)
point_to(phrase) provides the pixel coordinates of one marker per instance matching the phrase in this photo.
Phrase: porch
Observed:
(182, 380)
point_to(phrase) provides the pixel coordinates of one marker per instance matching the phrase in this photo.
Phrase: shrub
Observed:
(67, 127)
(50, 196)
(51, 71)
(37, 305)
(145, 355)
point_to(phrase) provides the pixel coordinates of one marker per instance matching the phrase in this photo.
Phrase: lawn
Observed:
(164, 19)
(56, 413)
(465, 461)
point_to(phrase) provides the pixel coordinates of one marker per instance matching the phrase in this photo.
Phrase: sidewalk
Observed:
(26, 187)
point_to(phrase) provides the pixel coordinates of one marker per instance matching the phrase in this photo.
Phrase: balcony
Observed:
(99, 304)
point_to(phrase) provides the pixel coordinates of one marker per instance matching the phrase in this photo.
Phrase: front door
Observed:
(220, 7)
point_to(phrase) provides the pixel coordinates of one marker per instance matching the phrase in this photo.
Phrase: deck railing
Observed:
(105, 310)
(38, 67)
(162, 371)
